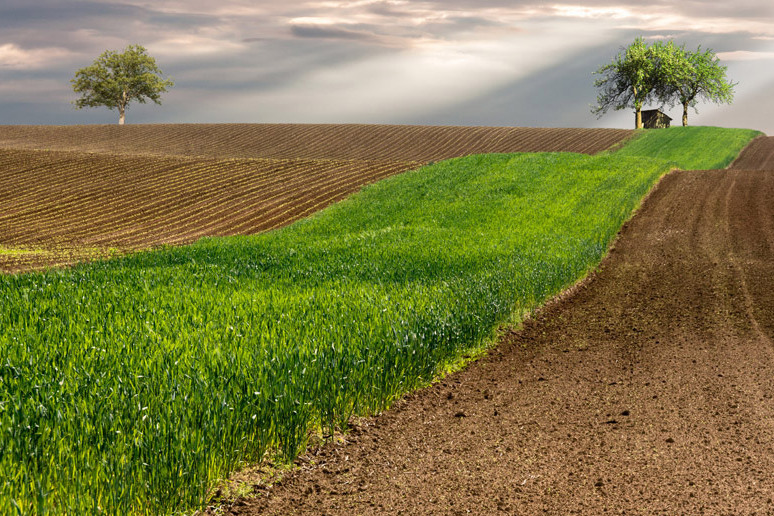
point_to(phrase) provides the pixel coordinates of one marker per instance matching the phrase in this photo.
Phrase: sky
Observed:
(449, 62)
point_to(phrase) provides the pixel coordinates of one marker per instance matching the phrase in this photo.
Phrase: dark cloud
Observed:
(738, 9)
(331, 32)
(474, 22)
(388, 9)
(692, 9)
(31, 14)
(98, 15)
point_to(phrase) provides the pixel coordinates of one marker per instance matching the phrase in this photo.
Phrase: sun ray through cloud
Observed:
(362, 60)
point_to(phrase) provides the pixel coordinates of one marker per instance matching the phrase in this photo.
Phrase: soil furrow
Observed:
(321, 141)
(759, 155)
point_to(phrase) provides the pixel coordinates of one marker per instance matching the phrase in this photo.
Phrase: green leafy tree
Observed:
(116, 79)
(686, 77)
(628, 81)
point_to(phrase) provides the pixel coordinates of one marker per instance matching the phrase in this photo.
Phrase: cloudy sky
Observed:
(466, 62)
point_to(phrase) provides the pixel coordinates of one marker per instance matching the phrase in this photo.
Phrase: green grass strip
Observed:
(131, 385)
(690, 148)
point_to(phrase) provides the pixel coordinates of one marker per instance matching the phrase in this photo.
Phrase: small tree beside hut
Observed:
(685, 77)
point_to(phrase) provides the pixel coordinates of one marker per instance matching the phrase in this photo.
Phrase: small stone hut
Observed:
(655, 119)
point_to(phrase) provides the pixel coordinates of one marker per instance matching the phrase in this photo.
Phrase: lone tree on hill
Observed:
(628, 81)
(114, 80)
(685, 77)
(664, 73)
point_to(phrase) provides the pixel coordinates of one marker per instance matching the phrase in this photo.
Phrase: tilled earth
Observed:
(649, 389)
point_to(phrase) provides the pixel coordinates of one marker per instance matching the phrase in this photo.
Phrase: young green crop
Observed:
(690, 148)
(131, 385)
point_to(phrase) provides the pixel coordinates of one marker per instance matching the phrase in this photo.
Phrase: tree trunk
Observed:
(637, 109)
(122, 108)
(685, 115)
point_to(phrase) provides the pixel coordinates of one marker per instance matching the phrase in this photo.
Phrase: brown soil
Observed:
(759, 155)
(648, 390)
(308, 141)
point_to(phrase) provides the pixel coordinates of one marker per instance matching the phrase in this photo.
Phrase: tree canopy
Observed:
(116, 79)
(662, 73)
(628, 81)
(685, 77)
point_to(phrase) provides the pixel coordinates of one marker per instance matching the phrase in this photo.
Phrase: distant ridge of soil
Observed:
(758, 155)
(647, 390)
(309, 141)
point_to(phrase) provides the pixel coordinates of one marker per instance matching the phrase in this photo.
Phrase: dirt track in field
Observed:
(648, 390)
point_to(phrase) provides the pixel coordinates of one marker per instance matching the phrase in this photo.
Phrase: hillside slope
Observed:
(648, 390)
(75, 193)
(132, 385)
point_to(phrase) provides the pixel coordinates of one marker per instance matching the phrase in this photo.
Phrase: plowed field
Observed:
(312, 141)
(69, 194)
(648, 390)
(60, 207)
(759, 155)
